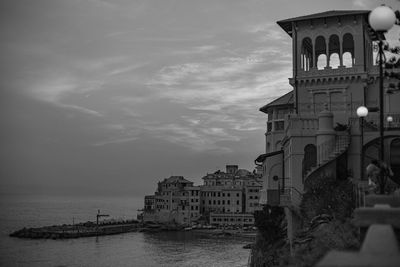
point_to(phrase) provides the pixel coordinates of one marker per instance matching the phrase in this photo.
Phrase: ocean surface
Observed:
(130, 249)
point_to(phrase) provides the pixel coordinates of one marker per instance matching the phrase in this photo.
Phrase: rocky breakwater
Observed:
(88, 229)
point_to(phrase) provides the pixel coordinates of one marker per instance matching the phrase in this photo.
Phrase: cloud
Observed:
(80, 109)
(360, 4)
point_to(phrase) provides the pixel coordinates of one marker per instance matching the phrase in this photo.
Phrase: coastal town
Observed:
(226, 198)
(325, 188)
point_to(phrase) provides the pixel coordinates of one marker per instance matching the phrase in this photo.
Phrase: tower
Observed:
(332, 56)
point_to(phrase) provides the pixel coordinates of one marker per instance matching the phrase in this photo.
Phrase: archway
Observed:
(320, 52)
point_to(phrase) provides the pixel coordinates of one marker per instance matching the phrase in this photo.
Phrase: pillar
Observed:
(325, 135)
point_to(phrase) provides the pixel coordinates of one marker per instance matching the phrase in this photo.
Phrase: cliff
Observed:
(326, 211)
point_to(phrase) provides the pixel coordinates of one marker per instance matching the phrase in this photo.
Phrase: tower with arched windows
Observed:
(313, 130)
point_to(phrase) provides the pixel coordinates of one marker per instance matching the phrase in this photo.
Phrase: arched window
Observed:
(306, 54)
(320, 52)
(334, 60)
(348, 50)
(347, 60)
(321, 61)
(334, 51)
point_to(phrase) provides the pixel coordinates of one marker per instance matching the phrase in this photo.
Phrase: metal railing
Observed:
(331, 147)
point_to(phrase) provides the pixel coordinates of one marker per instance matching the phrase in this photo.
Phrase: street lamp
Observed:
(362, 112)
(381, 20)
(389, 119)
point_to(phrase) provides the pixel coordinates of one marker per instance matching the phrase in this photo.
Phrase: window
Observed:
(269, 127)
(279, 126)
(237, 202)
(237, 194)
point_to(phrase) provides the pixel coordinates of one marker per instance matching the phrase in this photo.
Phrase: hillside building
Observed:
(314, 129)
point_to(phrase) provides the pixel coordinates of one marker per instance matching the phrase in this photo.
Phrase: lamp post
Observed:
(381, 20)
(362, 112)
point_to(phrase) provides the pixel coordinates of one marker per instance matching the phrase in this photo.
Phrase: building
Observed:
(149, 203)
(230, 197)
(225, 198)
(314, 129)
(176, 200)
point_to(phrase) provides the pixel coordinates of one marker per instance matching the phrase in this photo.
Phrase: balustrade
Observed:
(371, 122)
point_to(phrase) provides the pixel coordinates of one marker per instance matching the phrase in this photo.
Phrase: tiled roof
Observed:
(286, 99)
(174, 179)
(286, 24)
(326, 14)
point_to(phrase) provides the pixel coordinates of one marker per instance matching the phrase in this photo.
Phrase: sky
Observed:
(110, 97)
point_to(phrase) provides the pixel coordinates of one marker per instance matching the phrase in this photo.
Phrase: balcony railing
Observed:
(315, 108)
(371, 122)
(332, 148)
(301, 124)
(330, 71)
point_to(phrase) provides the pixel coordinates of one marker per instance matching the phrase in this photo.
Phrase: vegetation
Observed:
(327, 195)
(325, 213)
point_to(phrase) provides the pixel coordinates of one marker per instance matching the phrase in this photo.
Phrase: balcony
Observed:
(304, 125)
(371, 123)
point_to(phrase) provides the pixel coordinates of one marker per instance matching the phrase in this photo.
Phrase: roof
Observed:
(242, 172)
(286, 24)
(176, 179)
(286, 99)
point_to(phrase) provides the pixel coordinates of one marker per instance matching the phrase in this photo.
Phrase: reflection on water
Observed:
(131, 249)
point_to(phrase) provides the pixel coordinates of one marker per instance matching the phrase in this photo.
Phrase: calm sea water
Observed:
(130, 249)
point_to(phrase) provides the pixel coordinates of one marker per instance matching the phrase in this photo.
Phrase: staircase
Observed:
(330, 150)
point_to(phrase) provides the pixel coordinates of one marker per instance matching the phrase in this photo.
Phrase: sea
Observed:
(186, 248)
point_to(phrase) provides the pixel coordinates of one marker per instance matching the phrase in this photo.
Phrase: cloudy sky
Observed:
(104, 96)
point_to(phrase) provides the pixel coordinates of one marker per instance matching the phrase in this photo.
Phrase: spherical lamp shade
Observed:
(382, 18)
(362, 112)
(389, 119)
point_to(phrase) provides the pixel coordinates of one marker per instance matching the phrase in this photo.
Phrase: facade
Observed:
(314, 129)
(225, 198)
(176, 200)
(149, 203)
(229, 197)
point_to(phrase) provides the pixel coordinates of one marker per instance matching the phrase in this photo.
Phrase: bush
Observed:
(271, 223)
(326, 195)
